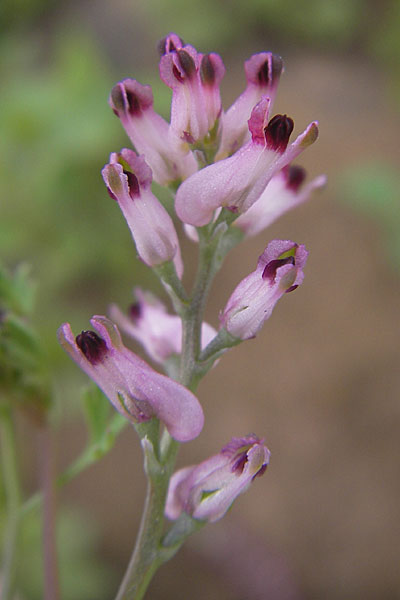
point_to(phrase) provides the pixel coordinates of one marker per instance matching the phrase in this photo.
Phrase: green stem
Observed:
(13, 499)
(147, 556)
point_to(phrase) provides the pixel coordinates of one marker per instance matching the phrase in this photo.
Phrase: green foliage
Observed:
(82, 574)
(374, 190)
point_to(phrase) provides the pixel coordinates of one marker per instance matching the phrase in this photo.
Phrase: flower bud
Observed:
(132, 102)
(128, 180)
(206, 491)
(279, 270)
(194, 79)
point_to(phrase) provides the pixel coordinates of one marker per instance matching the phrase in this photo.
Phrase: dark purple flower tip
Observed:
(113, 196)
(277, 132)
(187, 64)
(270, 70)
(93, 346)
(273, 265)
(135, 311)
(125, 101)
(207, 71)
(168, 44)
(295, 175)
(291, 289)
(239, 464)
(133, 184)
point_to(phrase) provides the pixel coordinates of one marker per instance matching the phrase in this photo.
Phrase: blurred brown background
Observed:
(321, 382)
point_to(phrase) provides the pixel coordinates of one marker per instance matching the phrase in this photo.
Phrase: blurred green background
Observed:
(58, 61)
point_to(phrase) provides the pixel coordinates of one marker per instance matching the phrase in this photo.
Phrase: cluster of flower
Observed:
(229, 169)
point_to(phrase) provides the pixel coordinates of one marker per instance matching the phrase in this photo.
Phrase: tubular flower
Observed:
(128, 180)
(284, 192)
(159, 332)
(206, 491)
(279, 271)
(194, 79)
(132, 102)
(132, 386)
(238, 181)
(263, 72)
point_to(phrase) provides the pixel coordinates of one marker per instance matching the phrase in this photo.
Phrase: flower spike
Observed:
(279, 271)
(136, 391)
(128, 180)
(238, 181)
(207, 491)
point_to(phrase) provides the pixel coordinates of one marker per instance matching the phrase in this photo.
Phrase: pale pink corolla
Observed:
(136, 391)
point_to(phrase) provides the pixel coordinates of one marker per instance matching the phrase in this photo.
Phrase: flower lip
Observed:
(278, 131)
(273, 265)
(170, 43)
(92, 346)
(187, 65)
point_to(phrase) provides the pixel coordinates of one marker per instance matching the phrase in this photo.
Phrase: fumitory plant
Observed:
(230, 174)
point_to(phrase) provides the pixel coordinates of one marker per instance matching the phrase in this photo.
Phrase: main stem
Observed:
(13, 499)
(148, 555)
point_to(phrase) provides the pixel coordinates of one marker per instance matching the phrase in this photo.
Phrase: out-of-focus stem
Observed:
(46, 466)
(13, 499)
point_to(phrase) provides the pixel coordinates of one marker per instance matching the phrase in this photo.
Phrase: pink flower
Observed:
(206, 491)
(279, 271)
(132, 386)
(263, 72)
(284, 192)
(238, 181)
(159, 332)
(128, 180)
(132, 102)
(194, 79)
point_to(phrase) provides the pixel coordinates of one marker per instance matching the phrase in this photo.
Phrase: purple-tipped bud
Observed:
(206, 491)
(278, 131)
(279, 270)
(92, 346)
(171, 43)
